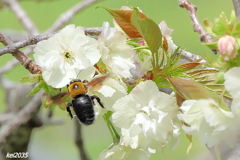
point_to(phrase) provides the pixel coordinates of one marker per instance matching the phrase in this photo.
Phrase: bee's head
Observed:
(76, 87)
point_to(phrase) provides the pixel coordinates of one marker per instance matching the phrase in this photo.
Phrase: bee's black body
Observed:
(83, 107)
(82, 104)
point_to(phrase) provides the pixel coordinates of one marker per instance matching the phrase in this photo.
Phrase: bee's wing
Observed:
(60, 100)
(96, 83)
(59, 96)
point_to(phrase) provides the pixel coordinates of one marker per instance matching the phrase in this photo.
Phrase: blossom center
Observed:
(146, 111)
(68, 56)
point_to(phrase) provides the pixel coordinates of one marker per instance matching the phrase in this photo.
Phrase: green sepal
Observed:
(208, 25)
(212, 45)
(50, 90)
(35, 78)
(142, 54)
(220, 77)
(130, 87)
(133, 42)
(37, 88)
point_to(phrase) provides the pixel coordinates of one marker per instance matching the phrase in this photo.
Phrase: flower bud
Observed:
(227, 47)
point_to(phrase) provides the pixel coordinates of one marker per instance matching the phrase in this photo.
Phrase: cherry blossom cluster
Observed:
(148, 120)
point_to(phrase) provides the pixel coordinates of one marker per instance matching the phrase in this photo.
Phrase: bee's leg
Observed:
(69, 110)
(98, 100)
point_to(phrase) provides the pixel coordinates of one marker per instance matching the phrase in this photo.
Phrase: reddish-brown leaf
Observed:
(191, 65)
(123, 19)
(188, 89)
(180, 99)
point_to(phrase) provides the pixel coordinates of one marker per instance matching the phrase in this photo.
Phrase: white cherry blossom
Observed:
(145, 117)
(116, 54)
(205, 119)
(119, 152)
(111, 90)
(63, 56)
(232, 84)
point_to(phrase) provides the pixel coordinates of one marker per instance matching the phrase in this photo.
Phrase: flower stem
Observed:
(111, 128)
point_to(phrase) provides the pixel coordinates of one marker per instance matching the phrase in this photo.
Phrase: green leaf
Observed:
(37, 88)
(220, 27)
(219, 89)
(148, 29)
(205, 75)
(223, 18)
(232, 18)
(209, 78)
(212, 45)
(35, 78)
(171, 68)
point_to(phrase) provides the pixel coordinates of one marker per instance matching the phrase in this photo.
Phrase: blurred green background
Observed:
(56, 142)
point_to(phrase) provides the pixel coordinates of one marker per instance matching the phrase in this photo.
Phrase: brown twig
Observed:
(23, 17)
(185, 55)
(27, 62)
(94, 31)
(236, 4)
(12, 63)
(69, 14)
(14, 35)
(204, 36)
(6, 117)
(12, 47)
(79, 140)
(35, 39)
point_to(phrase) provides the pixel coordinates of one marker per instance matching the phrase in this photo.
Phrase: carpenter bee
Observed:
(82, 103)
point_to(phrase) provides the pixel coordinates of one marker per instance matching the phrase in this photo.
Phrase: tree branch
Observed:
(35, 39)
(12, 63)
(27, 62)
(12, 47)
(33, 68)
(68, 15)
(187, 55)
(14, 35)
(23, 17)
(236, 4)
(95, 31)
(79, 140)
(5, 117)
(21, 117)
(204, 36)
